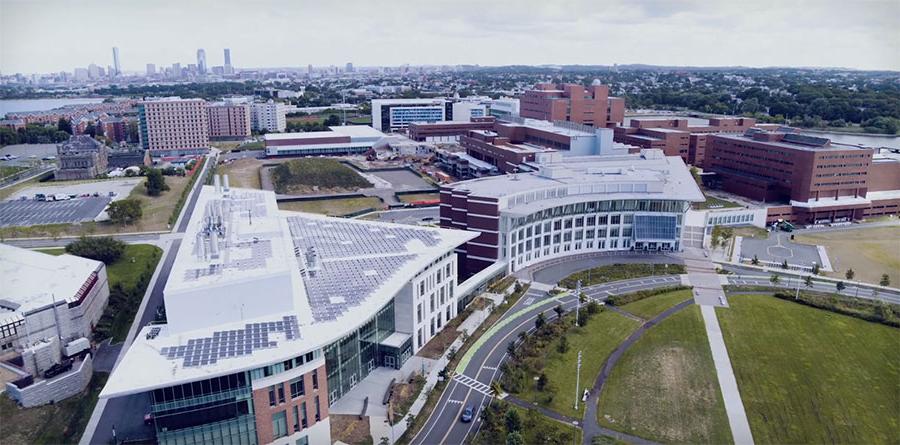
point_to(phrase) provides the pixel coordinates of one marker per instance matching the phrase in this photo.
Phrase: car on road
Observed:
(467, 414)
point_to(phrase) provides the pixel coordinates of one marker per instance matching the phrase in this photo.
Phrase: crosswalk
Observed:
(474, 384)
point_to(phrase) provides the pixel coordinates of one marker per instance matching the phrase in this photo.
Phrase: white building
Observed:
(391, 115)
(338, 140)
(505, 107)
(276, 315)
(269, 116)
(465, 111)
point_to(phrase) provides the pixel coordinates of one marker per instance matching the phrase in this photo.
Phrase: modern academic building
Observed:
(569, 206)
(337, 140)
(272, 316)
(804, 179)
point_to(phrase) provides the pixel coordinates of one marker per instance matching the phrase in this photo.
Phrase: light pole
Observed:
(577, 381)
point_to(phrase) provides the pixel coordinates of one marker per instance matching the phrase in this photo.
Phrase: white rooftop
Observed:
(32, 280)
(648, 175)
(285, 284)
(353, 131)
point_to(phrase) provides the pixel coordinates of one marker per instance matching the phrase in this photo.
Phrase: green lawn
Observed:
(811, 376)
(615, 272)
(7, 170)
(309, 175)
(665, 387)
(655, 305)
(333, 207)
(715, 203)
(597, 340)
(62, 422)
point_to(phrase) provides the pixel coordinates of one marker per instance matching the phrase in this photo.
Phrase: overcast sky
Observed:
(51, 35)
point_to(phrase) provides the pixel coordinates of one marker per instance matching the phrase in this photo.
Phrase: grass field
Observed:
(615, 272)
(419, 197)
(751, 232)
(62, 422)
(869, 252)
(242, 173)
(811, 376)
(333, 207)
(596, 341)
(313, 175)
(9, 170)
(655, 305)
(665, 387)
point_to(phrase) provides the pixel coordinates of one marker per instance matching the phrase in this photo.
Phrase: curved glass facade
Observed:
(591, 226)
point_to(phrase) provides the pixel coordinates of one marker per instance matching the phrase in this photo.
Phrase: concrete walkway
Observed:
(734, 406)
(590, 424)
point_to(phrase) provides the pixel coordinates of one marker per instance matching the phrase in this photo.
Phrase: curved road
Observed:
(471, 386)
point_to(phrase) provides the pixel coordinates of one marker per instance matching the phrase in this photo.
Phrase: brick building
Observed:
(81, 157)
(675, 137)
(229, 120)
(174, 126)
(809, 179)
(572, 102)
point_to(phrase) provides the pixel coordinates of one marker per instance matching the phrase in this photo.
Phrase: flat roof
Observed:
(32, 280)
(353, 131)
(284, 284)
(538, 124)
(648, 175)
(789, 145)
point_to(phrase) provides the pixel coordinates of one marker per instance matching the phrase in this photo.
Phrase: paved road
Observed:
(444, 425)
(789, 284)
(133, 238)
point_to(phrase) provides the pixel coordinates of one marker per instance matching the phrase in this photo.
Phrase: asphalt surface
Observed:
(125, 415)
(791, 284)
(49, 242)
(31, 213)
(444, 426)
(778, 247)
(411, 216)
(553, 271)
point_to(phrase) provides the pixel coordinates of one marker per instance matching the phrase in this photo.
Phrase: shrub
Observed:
(621, 300)
(105, 249)
(869, 310)
(156, 182)
(321, 172)
(125, 211)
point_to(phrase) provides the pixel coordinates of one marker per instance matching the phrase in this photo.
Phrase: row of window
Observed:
(626, 205)
(286, 365)
(297, 387)
(299, 419)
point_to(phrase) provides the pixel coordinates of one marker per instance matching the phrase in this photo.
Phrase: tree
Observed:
(840, 286)
(511, 348)
(64, 125)
(514, 438)
(563, 345)
(755, 260)
(332, 120)
(593, 307)
(156, 182)
(816, 268)
(559, 311)
(105, 248)
(542, 381)
(850, 274)
(885, 280)
(513, 421)
(775, 279)
(124, 211)
(540, 320)
(90, 129)
(808, 281)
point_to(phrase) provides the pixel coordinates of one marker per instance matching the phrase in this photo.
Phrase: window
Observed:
(419, 313)
(309, 356)
(296, 418)
(271, 396)
(318, 414)
(297, 387)
(315, 379)
(302, 441)
(279, 424)
(280, 393)
(288, 364)
(304, 421)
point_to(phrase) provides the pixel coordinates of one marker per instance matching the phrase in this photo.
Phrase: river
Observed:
(853, 139)
(17, 105)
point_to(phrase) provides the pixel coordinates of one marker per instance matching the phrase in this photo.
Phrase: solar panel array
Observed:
(260, 250)
(340, 285)
(232, 343)
(337, 239)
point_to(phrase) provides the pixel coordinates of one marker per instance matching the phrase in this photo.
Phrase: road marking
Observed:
(474, 384)
(455, 401)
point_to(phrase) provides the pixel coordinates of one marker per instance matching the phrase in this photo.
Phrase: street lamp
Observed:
(577, 380)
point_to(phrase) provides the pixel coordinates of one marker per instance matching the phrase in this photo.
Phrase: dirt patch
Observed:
(243, 173)
(403, 396)
(350, 429)
(435, 348)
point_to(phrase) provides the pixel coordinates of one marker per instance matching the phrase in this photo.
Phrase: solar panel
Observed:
(232, 343)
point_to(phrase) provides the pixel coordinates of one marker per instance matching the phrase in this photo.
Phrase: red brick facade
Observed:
(264, 410)
(574, 103)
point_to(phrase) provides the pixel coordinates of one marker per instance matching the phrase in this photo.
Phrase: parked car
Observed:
(467, 414)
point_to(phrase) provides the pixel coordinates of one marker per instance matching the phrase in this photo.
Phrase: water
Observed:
(853, 139)
(17, 105)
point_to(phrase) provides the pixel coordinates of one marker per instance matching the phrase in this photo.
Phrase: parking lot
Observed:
(31, 213)
(27, 153)
(402, 179)
(121, 188)
(778, 247)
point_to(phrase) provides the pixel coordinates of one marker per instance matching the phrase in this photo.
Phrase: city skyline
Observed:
(648, 32)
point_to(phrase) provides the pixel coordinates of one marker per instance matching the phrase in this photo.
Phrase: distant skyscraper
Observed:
(176, 70)
(151, 69)
(309, 69)
(94, 71)
(116, 64)
(201, 61)
(349, 67)
(228, 68)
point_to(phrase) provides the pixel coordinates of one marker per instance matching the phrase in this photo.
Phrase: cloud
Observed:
(53, 35)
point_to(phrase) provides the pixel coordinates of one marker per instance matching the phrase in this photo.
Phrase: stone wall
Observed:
(56, 389)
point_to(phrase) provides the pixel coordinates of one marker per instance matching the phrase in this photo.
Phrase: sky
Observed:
(56, 35)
